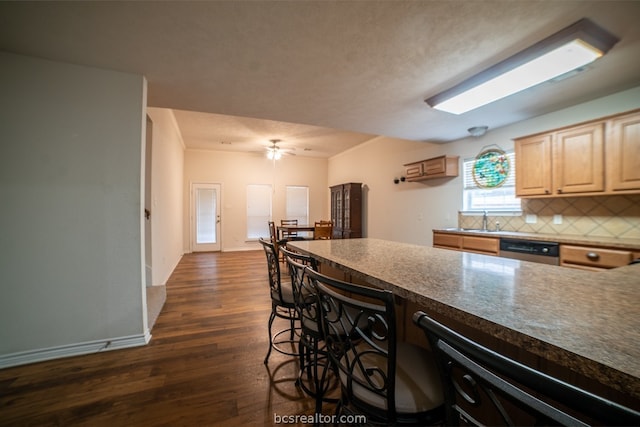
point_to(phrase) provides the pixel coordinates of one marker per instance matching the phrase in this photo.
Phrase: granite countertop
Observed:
(586, 321)
(571, 239)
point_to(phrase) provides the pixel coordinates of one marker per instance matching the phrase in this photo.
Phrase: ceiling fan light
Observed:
(567, 50)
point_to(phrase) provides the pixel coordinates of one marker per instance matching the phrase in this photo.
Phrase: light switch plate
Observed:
(557, 219)
(531, 218)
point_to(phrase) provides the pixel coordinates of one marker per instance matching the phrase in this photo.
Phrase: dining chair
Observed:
(322, 230)
(484, 387)
(277, 242)
(282, 306)
(289, 235)
(388, 381)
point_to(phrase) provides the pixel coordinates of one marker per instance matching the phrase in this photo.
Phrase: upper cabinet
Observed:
(533, 165)
(623, 151)
(437, 167)
(596, 158)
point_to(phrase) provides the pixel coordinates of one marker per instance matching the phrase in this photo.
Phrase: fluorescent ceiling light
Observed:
(566, 50)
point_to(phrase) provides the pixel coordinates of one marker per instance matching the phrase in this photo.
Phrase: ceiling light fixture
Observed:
(273, 152)
(478, 131)
(575, 46)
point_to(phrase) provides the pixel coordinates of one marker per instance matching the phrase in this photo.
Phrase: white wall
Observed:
(407, 212)
(234, 171)
(71, 213)
(166, 194)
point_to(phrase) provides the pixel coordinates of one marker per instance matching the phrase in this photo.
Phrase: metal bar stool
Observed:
(316, 377)
(282, 306)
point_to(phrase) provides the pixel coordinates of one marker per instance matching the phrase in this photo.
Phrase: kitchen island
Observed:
(582, 322)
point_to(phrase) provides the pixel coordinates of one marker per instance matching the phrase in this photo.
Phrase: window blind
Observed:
(258, 210)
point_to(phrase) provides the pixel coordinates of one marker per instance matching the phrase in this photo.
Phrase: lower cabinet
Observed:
(478, 244)
(594, 258)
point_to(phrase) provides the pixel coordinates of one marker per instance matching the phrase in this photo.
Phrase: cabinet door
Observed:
(579, 159)
(623, 153)
(346, 208)
(533, 169)
(336, 208)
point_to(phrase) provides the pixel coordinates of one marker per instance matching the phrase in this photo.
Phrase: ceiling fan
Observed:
(274, 152)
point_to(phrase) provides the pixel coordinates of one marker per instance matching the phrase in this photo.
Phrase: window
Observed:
(501, 198)
(258, 211)
(298, 204)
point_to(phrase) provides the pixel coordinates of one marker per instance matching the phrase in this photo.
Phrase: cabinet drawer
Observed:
(434, 166)
(487, 245)
(447, 240)
(593, 257)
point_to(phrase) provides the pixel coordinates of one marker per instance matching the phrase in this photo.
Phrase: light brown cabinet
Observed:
(623, 153)
(477, 244)
(346, 210)
(578, 164)
(437, 167)
(597, 158)
(533, 165)
(593, 258)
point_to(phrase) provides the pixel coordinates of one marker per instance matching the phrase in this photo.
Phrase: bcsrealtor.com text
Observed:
(319, 419)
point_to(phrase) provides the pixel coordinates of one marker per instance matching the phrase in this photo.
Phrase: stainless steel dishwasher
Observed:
(530, 250)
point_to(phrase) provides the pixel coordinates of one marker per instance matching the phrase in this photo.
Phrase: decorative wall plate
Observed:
(491, 168)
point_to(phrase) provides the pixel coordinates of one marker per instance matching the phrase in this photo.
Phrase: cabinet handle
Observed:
(559, 190)
(593, 256)
(546, 191)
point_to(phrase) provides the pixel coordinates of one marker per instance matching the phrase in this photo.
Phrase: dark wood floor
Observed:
(203, 366)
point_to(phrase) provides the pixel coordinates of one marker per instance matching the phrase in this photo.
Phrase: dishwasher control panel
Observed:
(531, 247)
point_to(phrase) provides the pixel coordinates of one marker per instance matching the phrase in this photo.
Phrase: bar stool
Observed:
(389, 382)
(282, 306)
(477, 378)
(315, 376)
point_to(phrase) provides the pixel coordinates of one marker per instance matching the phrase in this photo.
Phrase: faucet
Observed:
(484, 220)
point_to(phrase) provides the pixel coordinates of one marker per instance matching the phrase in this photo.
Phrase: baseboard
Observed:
(78, 349)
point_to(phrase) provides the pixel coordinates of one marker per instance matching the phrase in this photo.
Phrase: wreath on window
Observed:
(491, 168)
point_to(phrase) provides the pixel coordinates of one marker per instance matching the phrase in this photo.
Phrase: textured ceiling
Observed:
(361, 67)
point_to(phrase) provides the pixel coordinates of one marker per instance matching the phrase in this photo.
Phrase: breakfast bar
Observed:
(582, 322)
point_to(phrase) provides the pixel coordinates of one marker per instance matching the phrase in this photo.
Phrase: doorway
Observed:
(205, 217)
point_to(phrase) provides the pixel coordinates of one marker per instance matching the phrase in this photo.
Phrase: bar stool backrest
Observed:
(304, 291)
(474, 376)
(273, 267)
(359, 327)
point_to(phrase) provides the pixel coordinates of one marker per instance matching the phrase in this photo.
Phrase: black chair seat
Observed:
(417, 384)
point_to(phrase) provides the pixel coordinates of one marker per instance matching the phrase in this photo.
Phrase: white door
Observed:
(205, 217)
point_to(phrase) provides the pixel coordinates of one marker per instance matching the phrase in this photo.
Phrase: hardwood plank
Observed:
(203, 366)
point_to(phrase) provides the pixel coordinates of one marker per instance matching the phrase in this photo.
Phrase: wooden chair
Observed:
(277, 243)
(389, 382)
(289, 235)
(480, 383)
(322, 230)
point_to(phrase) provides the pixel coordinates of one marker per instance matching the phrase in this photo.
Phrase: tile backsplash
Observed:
(604, 216)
